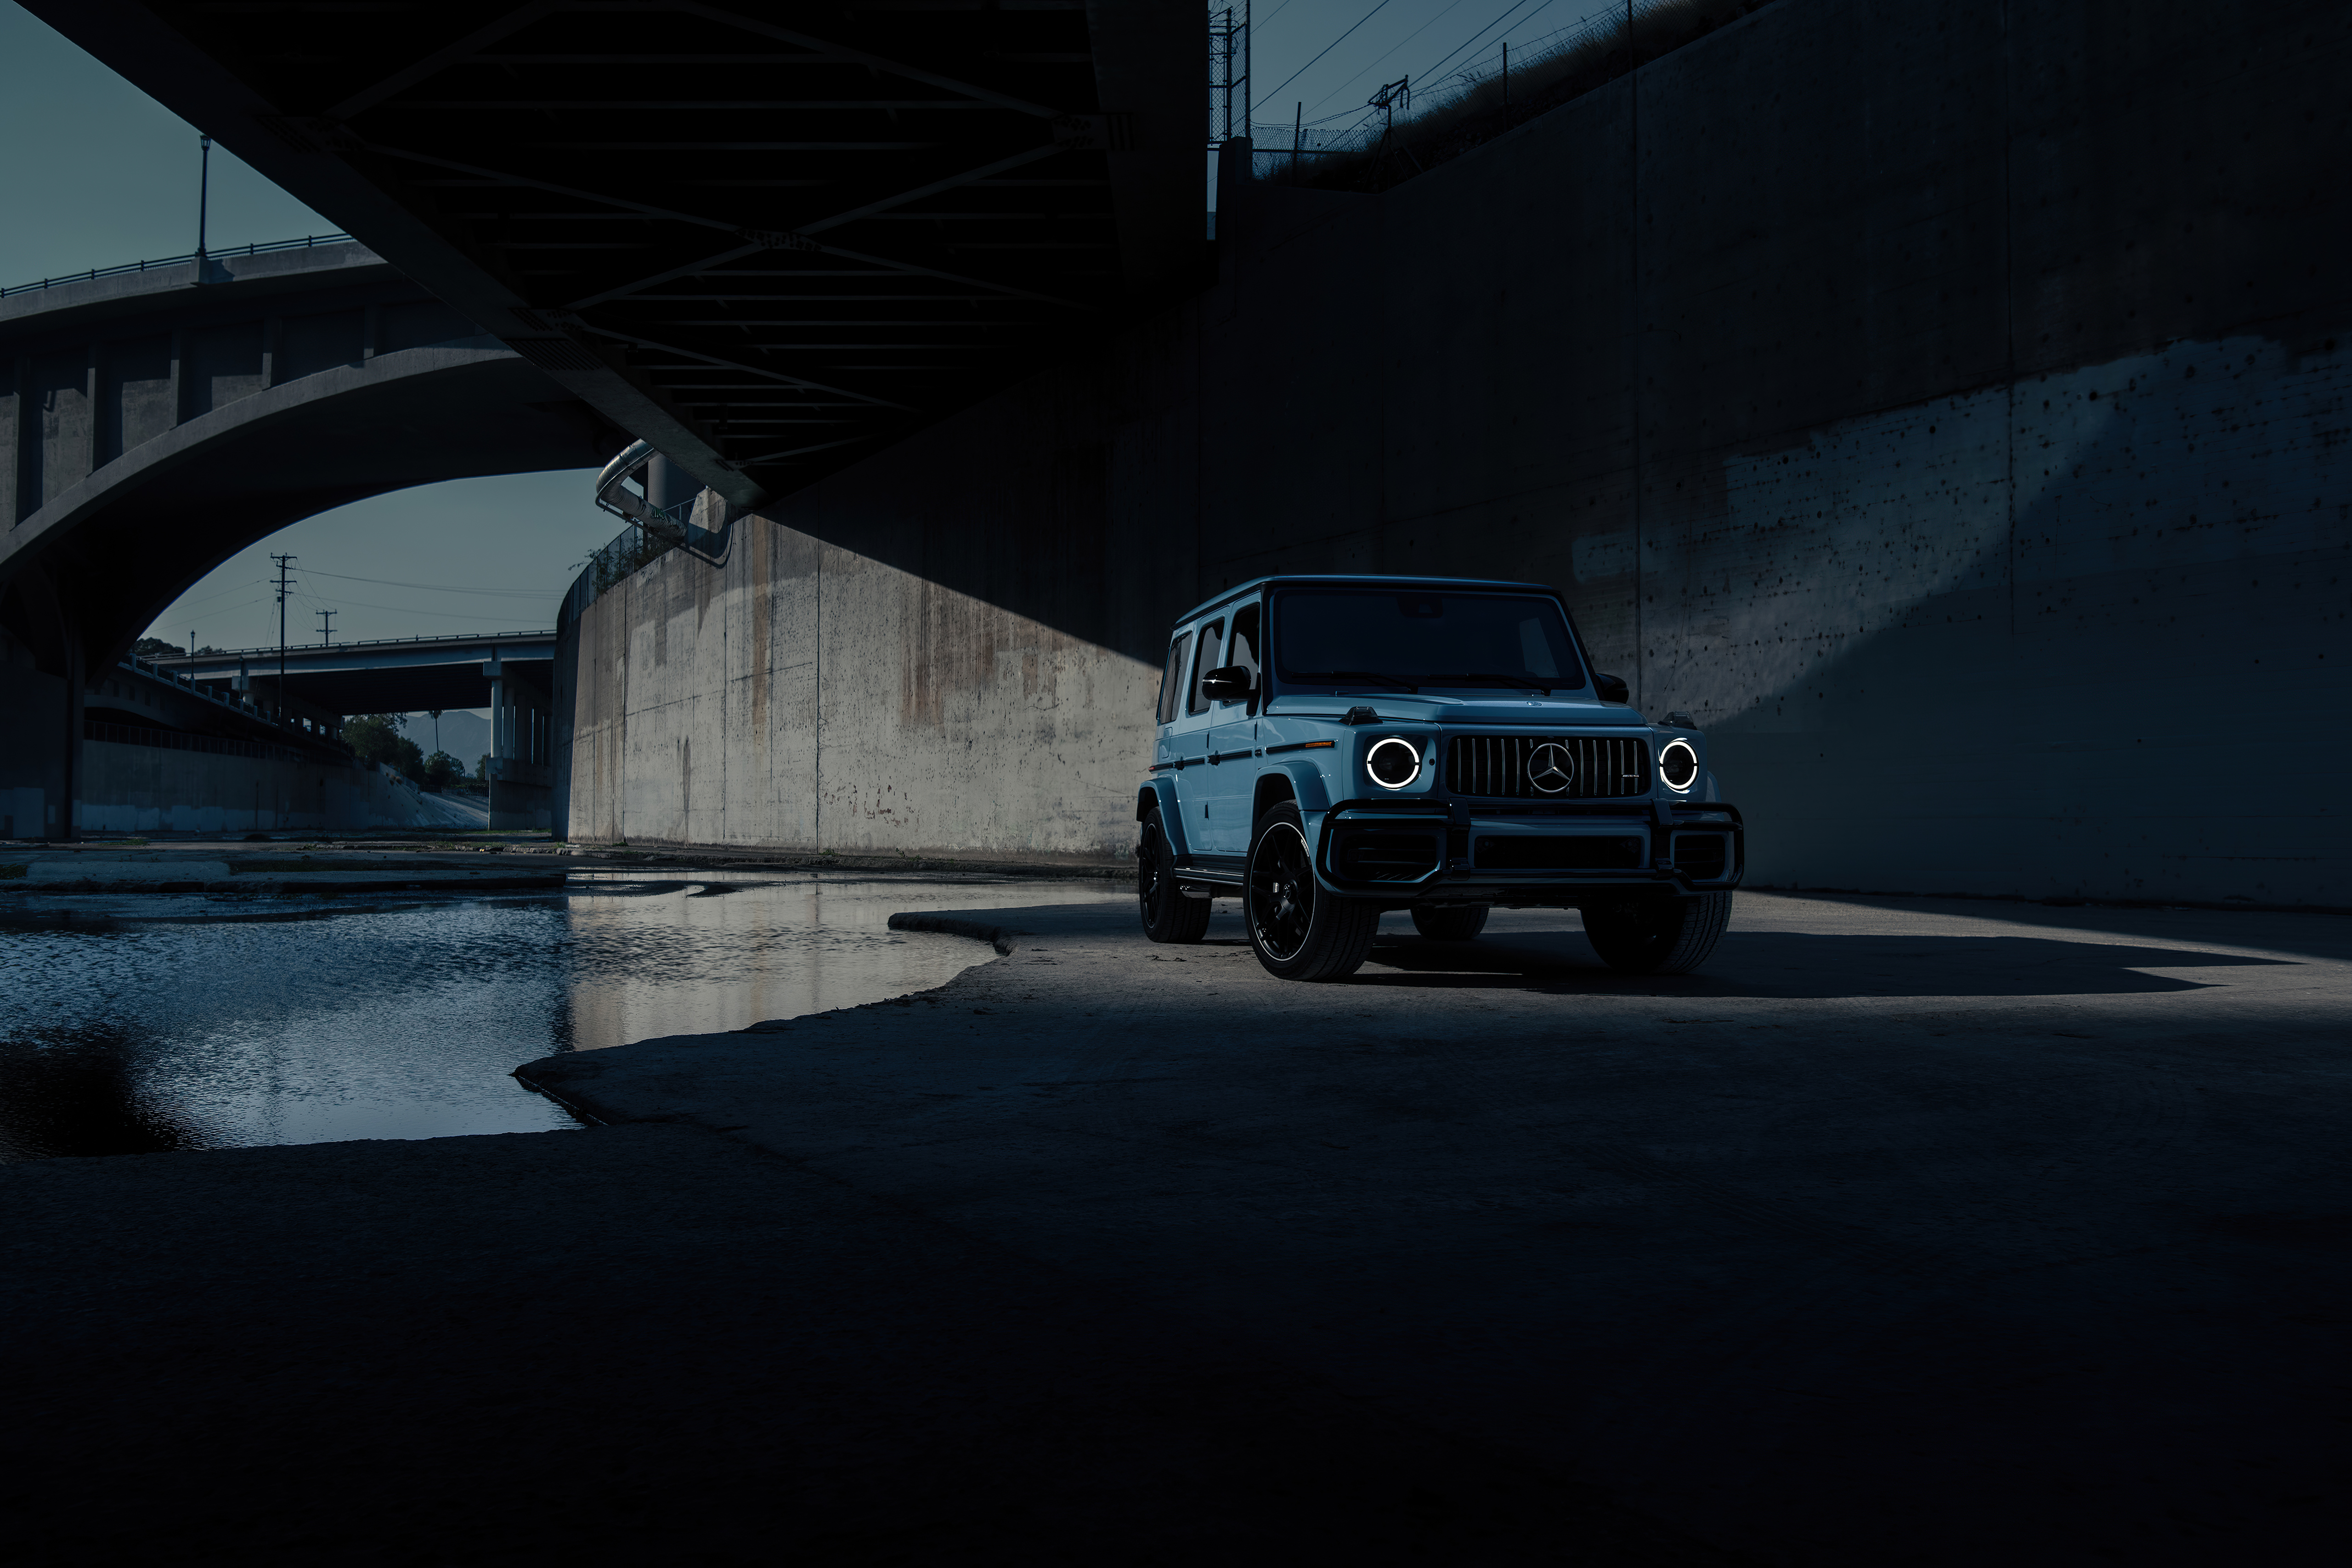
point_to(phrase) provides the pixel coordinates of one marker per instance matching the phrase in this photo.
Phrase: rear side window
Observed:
(1244, 647)
(1171, 680)
(1205, 659)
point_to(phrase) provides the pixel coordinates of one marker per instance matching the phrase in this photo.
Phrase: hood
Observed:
(1405, 707)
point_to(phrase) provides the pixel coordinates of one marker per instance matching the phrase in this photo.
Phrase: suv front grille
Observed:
(1598, 768)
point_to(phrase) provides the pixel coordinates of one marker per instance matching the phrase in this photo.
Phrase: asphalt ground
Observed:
(1909, 1232)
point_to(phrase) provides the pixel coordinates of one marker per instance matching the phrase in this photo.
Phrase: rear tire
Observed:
(1450, 922)
(1299, 930)
(1167, 914)
(1657, 936)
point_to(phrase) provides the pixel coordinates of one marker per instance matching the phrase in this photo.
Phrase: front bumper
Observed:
(1465, 852)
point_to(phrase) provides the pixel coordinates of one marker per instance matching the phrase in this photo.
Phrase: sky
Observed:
(1391, 39)
(95, 174)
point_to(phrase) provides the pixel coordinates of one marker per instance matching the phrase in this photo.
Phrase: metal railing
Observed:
(235, 702)
(177, 741)
(261, 248)
(271, 651)
(637, 546)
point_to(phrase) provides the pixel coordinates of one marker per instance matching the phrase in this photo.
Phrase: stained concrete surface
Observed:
(1909, 1232)
(653, 1344)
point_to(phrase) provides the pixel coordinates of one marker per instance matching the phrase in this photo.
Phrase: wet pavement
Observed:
(149, 1021)
(1909, 1232)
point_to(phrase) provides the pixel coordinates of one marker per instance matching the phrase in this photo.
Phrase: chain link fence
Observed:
(1412, 125)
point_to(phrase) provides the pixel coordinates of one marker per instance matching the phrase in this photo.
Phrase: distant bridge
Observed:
(510, 673)
(401, 675)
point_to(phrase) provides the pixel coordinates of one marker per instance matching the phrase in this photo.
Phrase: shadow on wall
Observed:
(2107, 677)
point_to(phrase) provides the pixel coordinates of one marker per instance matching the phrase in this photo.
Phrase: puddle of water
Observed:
(407, 1023)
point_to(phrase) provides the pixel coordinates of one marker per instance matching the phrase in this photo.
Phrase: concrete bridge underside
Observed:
(1946, 405)
(768, 238)
(152, 425)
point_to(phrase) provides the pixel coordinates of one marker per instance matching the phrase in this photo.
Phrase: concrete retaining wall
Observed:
(1951, 414)
(142, 789)
(797, 693)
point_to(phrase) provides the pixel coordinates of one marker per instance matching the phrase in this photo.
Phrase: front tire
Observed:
(1167, 914)
(1297, 930)
(1657, 936)
(1450, 922)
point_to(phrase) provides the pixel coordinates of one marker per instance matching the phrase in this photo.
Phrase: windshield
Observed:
(1383, 640)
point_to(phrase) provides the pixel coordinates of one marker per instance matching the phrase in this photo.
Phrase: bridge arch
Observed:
(154, 423)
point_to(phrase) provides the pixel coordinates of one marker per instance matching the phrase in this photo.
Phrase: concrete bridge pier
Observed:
(41, 699)
(521, 774)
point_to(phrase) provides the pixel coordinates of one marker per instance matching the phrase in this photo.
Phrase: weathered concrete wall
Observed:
(1950, 411)
(143, 789)
(795, 693)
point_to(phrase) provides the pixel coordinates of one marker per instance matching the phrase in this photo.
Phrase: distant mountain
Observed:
(465, 734)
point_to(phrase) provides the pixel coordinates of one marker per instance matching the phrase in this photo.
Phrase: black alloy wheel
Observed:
(1167, 914)
(1299, 930)
(1657, 936)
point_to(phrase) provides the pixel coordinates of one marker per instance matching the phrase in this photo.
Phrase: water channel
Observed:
(406, 1022)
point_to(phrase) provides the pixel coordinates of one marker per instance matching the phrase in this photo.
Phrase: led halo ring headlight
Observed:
(1393, 761)
(1678, 764)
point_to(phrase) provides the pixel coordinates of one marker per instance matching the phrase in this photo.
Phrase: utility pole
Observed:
(326, 627)
(284, 583)
(203, 198)
(437, 729)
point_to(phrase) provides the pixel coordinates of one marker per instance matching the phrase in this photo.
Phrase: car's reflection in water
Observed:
(407, 1022)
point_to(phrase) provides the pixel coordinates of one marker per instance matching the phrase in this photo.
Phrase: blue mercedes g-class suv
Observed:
(1330, 748)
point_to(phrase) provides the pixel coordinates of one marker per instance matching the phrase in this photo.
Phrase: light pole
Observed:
(203, 198)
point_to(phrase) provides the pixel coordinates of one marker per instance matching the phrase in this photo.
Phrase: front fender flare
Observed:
(1307, 785)
(1162, 792)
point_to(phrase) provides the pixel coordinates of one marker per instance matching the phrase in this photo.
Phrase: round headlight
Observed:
(1678, 764)
(1393, 763)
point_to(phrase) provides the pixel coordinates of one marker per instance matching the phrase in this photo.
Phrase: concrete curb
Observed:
(999, 937)
(649, 852)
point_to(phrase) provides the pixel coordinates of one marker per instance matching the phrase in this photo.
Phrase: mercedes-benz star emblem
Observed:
(1550, 769)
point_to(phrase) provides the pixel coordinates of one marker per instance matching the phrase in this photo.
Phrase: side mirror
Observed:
(1611, 688)
(1230, 684)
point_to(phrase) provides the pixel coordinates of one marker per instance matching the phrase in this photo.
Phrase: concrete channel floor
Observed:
(1909, 1232)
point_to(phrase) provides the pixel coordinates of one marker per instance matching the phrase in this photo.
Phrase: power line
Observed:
(440, 587)
(1481, 33)
(1326, 48)
(430, 615)
(232, 589)
(1391, 49)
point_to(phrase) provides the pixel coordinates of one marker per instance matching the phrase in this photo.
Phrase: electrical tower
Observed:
(1229, 73)
(1392, 96)
(326, 627)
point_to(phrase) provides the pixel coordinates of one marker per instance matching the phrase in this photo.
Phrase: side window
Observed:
(1171, 680)
(1244, 647)
(1205, 659)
